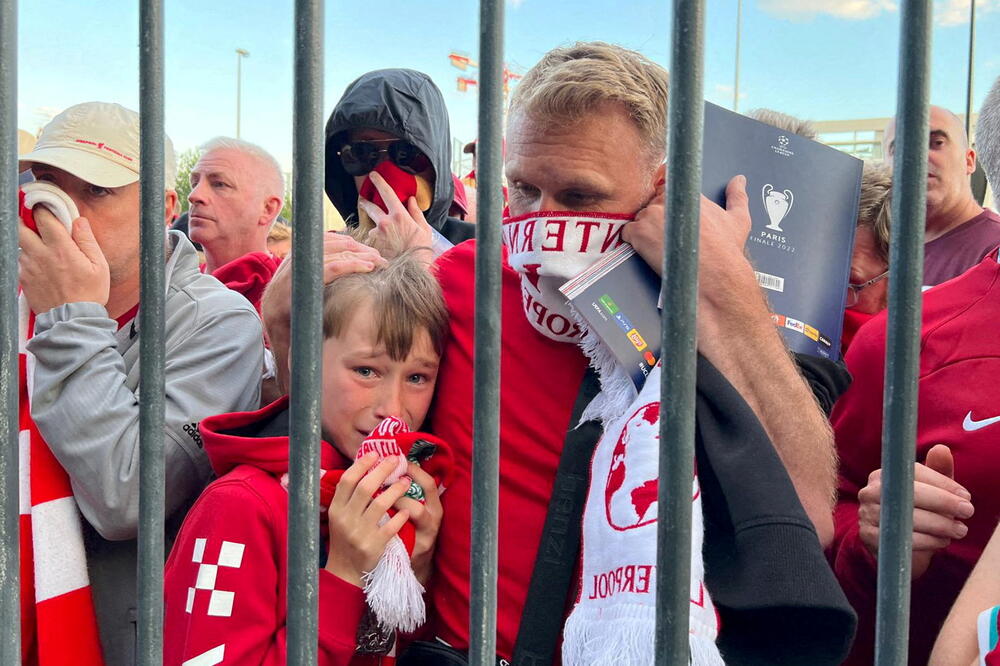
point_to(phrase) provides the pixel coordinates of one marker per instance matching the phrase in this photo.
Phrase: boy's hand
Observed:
(426, 517)
(356, 539)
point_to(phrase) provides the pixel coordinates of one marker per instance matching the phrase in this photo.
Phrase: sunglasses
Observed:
(360, 157)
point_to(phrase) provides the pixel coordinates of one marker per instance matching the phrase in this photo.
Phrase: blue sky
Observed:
(818, 59)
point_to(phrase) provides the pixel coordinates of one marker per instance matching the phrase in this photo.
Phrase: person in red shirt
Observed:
(237, 191)
(954, 494)
(225, 596)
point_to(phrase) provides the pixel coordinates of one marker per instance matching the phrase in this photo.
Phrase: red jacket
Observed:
(959, 366)
(249, 275)
(225, 592)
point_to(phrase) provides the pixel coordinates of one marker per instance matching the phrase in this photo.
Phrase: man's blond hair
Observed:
(572, 81)
(875, 207)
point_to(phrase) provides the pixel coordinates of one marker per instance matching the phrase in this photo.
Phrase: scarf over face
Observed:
(549, 248)
(58, 622)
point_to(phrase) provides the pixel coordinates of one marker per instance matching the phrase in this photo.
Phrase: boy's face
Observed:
(363, 385)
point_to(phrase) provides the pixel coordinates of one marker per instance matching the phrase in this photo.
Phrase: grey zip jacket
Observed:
(85, 402)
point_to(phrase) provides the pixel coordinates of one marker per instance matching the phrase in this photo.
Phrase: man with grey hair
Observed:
(237, 191)
(80, 437)
(959, 232)
(988, 137)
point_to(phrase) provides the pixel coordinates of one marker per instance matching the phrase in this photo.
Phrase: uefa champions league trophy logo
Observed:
(777, 204)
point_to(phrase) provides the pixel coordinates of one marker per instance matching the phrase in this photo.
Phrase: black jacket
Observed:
(407, 104)
(777, 597)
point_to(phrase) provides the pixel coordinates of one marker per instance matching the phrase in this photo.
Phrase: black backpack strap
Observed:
(542, 616)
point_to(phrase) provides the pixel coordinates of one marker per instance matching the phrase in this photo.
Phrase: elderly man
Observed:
(959, 232)
(81, 380)
(237, 191)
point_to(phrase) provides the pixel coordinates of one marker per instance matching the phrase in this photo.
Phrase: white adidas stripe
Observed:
(55, 533)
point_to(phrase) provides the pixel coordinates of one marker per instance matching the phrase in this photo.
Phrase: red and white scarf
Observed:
(58, 622)
(614, 619)
(549, 248)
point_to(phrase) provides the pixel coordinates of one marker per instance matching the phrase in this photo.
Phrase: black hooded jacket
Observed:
(407, 104)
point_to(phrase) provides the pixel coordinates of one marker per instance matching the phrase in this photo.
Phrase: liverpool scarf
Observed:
(58, 622)
(614, 618)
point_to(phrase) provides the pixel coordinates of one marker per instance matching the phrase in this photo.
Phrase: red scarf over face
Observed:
(853, 320)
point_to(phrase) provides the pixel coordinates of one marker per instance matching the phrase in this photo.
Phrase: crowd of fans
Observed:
(785, 494)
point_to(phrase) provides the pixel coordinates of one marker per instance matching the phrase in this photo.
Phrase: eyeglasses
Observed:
(854, 290)
(360, 157)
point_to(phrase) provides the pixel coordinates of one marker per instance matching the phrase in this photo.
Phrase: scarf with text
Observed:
(549, 248)
(614, 618)
(58, 622)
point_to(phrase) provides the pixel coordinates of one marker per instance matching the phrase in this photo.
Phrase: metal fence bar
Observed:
(486, 385)
(10, 616)
(677, 382)
(152, 390)
(906, 261)
(307, 339)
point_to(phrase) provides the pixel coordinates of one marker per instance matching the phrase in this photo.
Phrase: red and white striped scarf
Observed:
(58, 622)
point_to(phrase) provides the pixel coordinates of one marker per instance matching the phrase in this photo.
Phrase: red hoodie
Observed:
(225, 593)
(248, 275)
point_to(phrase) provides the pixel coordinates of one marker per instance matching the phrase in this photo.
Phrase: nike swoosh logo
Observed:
(969, 425)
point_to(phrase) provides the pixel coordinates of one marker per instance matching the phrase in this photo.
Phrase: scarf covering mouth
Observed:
(55, 585)
(551, 247)
(404, 184)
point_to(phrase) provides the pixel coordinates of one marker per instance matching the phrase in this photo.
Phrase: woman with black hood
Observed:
(393, 123)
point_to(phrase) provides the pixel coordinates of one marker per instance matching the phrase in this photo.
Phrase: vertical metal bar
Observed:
(971, 72)
(906, 260)
(152, 396)
(10, 617)
(677, 382)
(307, 339)
(486, 391)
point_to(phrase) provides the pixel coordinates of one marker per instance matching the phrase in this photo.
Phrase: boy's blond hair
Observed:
(404, 296)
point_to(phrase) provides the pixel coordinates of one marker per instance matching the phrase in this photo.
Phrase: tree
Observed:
(185, 163)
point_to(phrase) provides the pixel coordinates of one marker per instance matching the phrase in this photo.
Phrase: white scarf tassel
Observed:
(620, 635)
(394, 594)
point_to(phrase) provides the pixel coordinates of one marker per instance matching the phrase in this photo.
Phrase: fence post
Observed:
(10, 616)
(679, 350)
(486, 382)
(906, 262)
(307, 339)
(152, 390)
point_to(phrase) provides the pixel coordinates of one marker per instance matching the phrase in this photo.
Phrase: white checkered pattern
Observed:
(220, 602)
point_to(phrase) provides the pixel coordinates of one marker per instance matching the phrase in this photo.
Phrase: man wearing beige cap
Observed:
(82, 377)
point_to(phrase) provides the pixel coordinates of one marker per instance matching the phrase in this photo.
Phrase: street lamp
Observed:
(240, 54)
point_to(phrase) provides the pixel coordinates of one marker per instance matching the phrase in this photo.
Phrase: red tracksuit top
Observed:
(540, 379)
(958, 406)
(225, 594)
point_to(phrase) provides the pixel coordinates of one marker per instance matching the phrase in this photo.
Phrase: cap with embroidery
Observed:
(97, 142)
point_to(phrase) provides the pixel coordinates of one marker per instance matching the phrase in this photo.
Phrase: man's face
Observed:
(227, 198)
(866, 263)
(113, 213)
(362, 384)
(950, 161)
(596, 164)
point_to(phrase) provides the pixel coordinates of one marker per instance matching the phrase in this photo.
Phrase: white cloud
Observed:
(516, 3)
(956, 12)
(854, 10)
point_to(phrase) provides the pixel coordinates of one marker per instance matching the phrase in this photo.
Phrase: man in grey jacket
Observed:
(84, 288)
